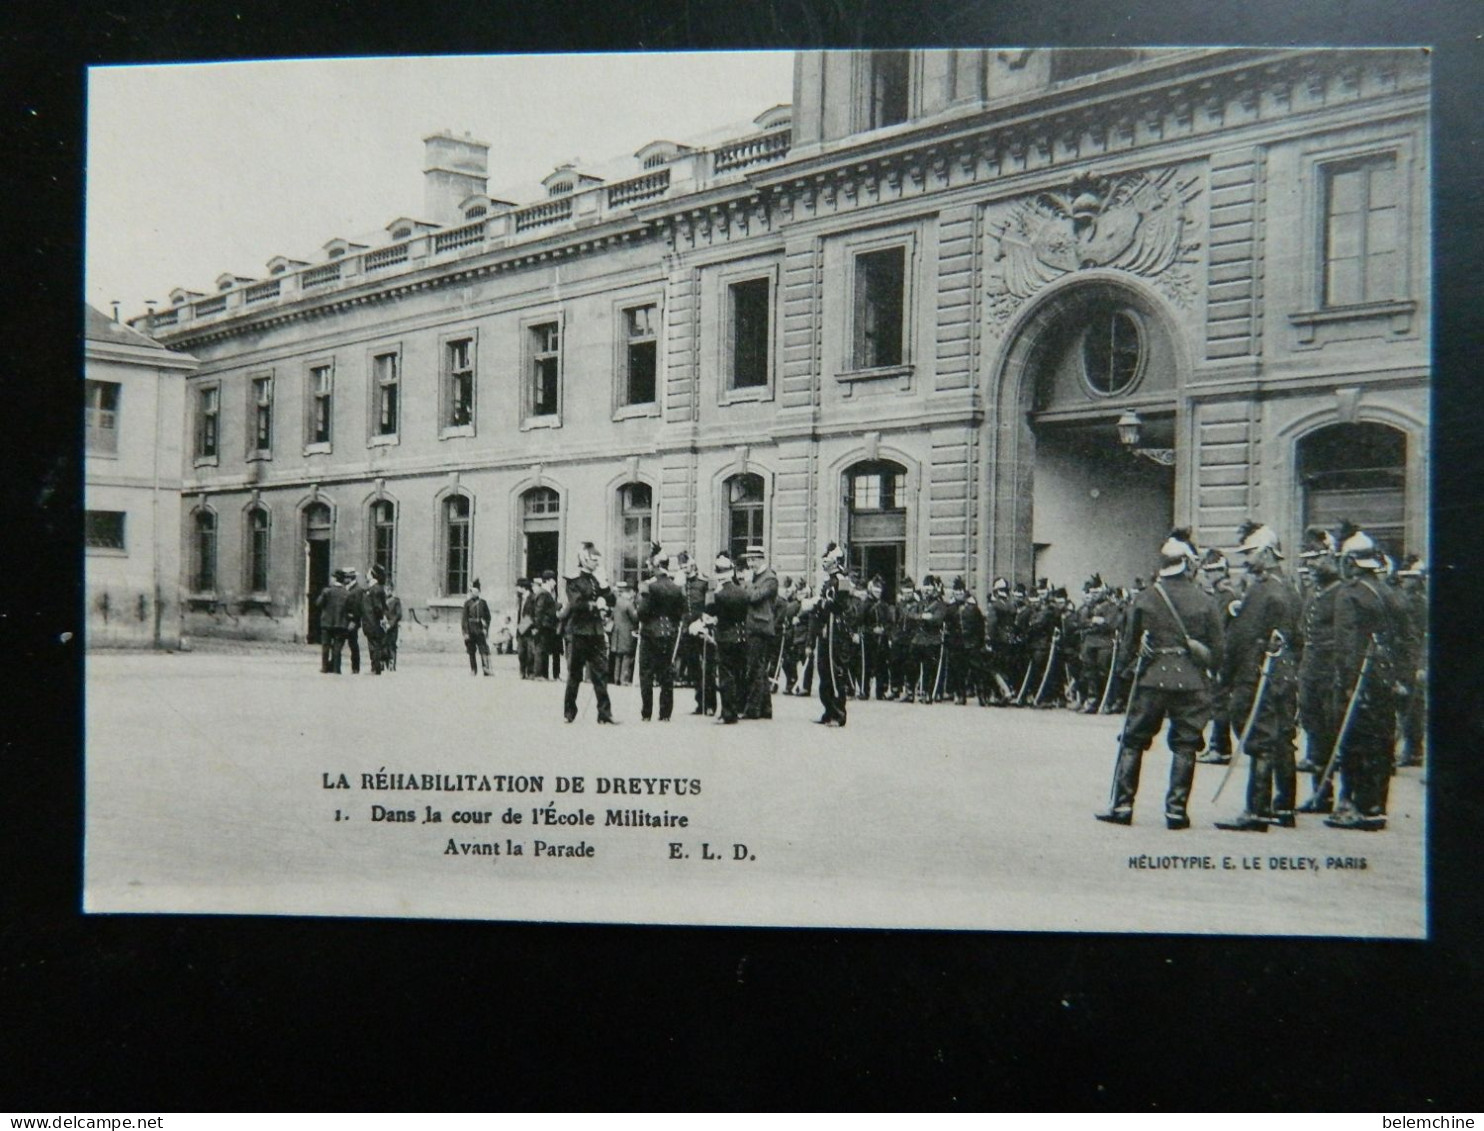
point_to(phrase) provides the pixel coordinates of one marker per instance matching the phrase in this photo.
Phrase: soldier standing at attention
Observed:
(1099, 622)
(475, 625)
(661, 612)
(927, 639)
(903, 629)
(588, 594)
(1215, 579)
(831, 629)
(728, 605)
(1318, 712)
(1174, 635)
(1412, 585)
(697, 665)
(1267, 623)
(762, 596)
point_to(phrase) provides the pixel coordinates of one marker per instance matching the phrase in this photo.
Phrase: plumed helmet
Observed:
(1257, 536)
(1317, 542)
(1177, 553)
(1359, 547)
(588, 558)
(1000, 586)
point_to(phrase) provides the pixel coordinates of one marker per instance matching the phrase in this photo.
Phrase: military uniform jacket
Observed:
(729, 604)
(585, 605)
(1317, 633)
(661, 610)
(877, 618)
(1095, 631)
(544, 611)
(1003, 630)
(762, 595)
(1270, 604)
(374, 602)
(1362, 611)
(905, 624)
(932, 616)
(966, 627)
(475, 621)
(696, 589)
(1171, 668)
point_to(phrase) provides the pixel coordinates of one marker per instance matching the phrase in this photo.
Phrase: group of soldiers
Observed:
(1338, 652)
(347, 609)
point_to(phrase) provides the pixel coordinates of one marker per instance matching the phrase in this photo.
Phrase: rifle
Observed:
(1050, 662)
(1112, 667)
(1334, 756)
(1274, 649)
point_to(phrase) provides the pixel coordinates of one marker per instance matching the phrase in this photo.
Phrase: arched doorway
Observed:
(541, 518)
(1357, 472)
(319, 528)
(1069, 497)
(876, 521)
(746, 503)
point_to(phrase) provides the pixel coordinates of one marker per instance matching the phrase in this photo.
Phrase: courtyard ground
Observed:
(211, 788)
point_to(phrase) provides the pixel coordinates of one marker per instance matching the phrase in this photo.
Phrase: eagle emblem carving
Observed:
(1136, 222)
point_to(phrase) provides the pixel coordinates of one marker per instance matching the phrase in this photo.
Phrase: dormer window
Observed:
(224, 285)
(888, 84)
(476, 212)
(559, 189)
(401, 233)
(775, 118)
(277, 269)
(336, 252)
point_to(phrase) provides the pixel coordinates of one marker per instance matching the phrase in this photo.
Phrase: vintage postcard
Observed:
(977, 489)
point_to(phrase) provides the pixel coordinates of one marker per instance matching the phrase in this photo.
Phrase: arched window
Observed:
(636, 524)
(1357, 472)
(255, 566)
(384, 535)
(457, 544)
(876, 520)
(203, 557)
(541, 518)
(746, 513)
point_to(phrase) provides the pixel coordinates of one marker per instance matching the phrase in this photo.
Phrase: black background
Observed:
(201, 1013)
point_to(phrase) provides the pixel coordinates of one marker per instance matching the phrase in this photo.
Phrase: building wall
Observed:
(1205, 219)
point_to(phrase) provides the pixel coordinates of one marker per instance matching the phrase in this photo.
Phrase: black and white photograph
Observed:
(957, 488)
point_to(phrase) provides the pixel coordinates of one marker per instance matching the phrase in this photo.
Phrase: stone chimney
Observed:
(453, 168)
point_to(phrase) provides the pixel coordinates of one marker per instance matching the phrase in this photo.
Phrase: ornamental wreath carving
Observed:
(1137, 222)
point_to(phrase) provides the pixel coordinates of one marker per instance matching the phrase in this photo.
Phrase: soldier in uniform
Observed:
(1000, 618)
(1266, 625)
(927, 639)
(474, 625)
(1364, 633)
(971, 666)
(876, 619)
(1100, 617)
(762, 597)
(1412, 585)
(1174, 636)
(1319, 714)
(587, 641)
(547, 649)
(697, 664)
(1041, 622)
(661, 611)
(904, 627)
(1215, 579)
(727, 608)
(831, 629)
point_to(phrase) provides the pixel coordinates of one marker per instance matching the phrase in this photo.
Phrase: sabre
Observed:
(938, 676)
(638, 658)
(865, 690)
(1004, 687)
(1050, 661)
(1026, 682)
(1334, 756)
(1133, 686)
(778, 671)
(1273, 651)
(830, 632)
(1108, 683)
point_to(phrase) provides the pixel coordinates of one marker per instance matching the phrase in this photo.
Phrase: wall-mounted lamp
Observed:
(1130, 428)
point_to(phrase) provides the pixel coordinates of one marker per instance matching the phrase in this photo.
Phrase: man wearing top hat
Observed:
(588, 594)
(1174, 637)
(1264, 633)
(474, 624)
(661, 612)
(762, 596)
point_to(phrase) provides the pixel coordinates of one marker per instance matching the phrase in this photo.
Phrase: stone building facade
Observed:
(135, 399)
(981, 313)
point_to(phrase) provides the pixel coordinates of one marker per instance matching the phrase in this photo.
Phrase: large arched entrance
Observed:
(1070, 496)
(876, 521)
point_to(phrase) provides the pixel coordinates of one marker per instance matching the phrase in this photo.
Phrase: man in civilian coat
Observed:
(332, 621)
(762, 596)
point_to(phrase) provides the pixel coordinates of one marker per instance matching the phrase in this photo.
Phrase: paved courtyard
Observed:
(211, 775)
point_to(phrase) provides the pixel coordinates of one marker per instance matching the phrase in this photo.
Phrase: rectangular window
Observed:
(880, 282)
(208, 420)
(890, 75)
(257, 550)
(386, 375)
(641, 354)
(1361, 231)
(203, 571)
(875, 492)
(262, 415)
(458, 383)
(748, 317)
(321, 403)
(546, 362)
(102, 416)
(456, 545)
(103, 530)
(384, 536)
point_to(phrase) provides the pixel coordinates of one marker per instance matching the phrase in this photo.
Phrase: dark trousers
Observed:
(376, 646)
(1186, 711)
(389, 646)
(926, 672)
(731, 677)
(655, 666)
(1271, 777)
(1097, 659)
(834, 679)
(477, 643)
(762, 655)
(332, 643)
(877, 650)
(1321, 722)
(1365, 758)
(353, 639)
(590, 653)
(526, 648)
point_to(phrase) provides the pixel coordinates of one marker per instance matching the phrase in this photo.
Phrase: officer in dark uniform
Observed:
(373, 622)
(903, 629)
(877, 617)
(1041, 621)
(832, 628)
(1364, 634)
(970, 665)
(661, 611)
(1174, 635)
(1319, 714)
(762, 597)
(474, 626)
(697, 665)
(587, 640)
(1003, 670)
(727, 606)
(1264, 633)
(1412, 585)
(1216, 579)
(1099, 622)
(927, 639)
